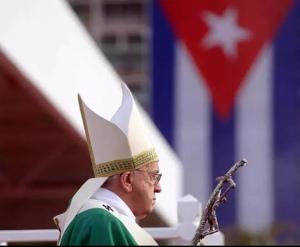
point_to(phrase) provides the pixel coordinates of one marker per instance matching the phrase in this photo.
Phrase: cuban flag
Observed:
(226, 86)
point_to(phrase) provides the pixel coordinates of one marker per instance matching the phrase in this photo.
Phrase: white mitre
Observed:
(115, 145)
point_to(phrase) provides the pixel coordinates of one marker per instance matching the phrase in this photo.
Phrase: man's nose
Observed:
(157, 188)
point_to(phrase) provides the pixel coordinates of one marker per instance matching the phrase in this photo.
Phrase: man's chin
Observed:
(145, 214)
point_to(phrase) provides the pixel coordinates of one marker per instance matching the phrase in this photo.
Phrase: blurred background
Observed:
(122, 31)
(219, 79)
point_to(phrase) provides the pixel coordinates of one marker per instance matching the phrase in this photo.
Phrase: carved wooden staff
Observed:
(215, 200)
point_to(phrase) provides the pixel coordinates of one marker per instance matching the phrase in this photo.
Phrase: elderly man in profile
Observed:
(105, 209)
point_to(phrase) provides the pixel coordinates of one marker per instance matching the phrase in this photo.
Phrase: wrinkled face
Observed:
(145, 186)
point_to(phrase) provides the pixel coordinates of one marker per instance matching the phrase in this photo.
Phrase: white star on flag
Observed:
(225, 32)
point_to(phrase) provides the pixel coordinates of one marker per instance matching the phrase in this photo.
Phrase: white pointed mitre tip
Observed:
(118, 144)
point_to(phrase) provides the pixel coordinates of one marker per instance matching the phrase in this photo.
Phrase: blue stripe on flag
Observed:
(287, 120)
(163, 74)
(223, 155)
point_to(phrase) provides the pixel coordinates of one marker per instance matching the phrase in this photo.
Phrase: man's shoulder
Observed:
(97, 226)
(96, 214)
(99, 218)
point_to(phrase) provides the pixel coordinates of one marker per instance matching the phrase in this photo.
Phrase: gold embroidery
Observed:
(118, 166)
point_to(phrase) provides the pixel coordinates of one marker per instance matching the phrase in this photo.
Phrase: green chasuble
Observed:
(97, 226)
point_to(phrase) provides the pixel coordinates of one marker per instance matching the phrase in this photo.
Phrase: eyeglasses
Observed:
(156, 176)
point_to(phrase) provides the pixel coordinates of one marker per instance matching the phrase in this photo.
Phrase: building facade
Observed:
(121, 30)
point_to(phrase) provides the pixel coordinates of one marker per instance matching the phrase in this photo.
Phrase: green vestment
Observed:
(97, 226)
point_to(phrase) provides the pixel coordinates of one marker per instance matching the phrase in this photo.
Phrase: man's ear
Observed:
(126, 179)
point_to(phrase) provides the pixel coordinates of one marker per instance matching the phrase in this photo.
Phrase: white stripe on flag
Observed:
(192, 125)
(254, 142)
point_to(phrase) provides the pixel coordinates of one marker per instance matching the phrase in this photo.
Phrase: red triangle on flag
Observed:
(224, 38)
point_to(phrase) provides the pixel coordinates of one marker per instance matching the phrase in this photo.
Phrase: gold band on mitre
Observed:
(118, 166)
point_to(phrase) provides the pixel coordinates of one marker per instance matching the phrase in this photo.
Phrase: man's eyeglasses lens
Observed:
(154, 175)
